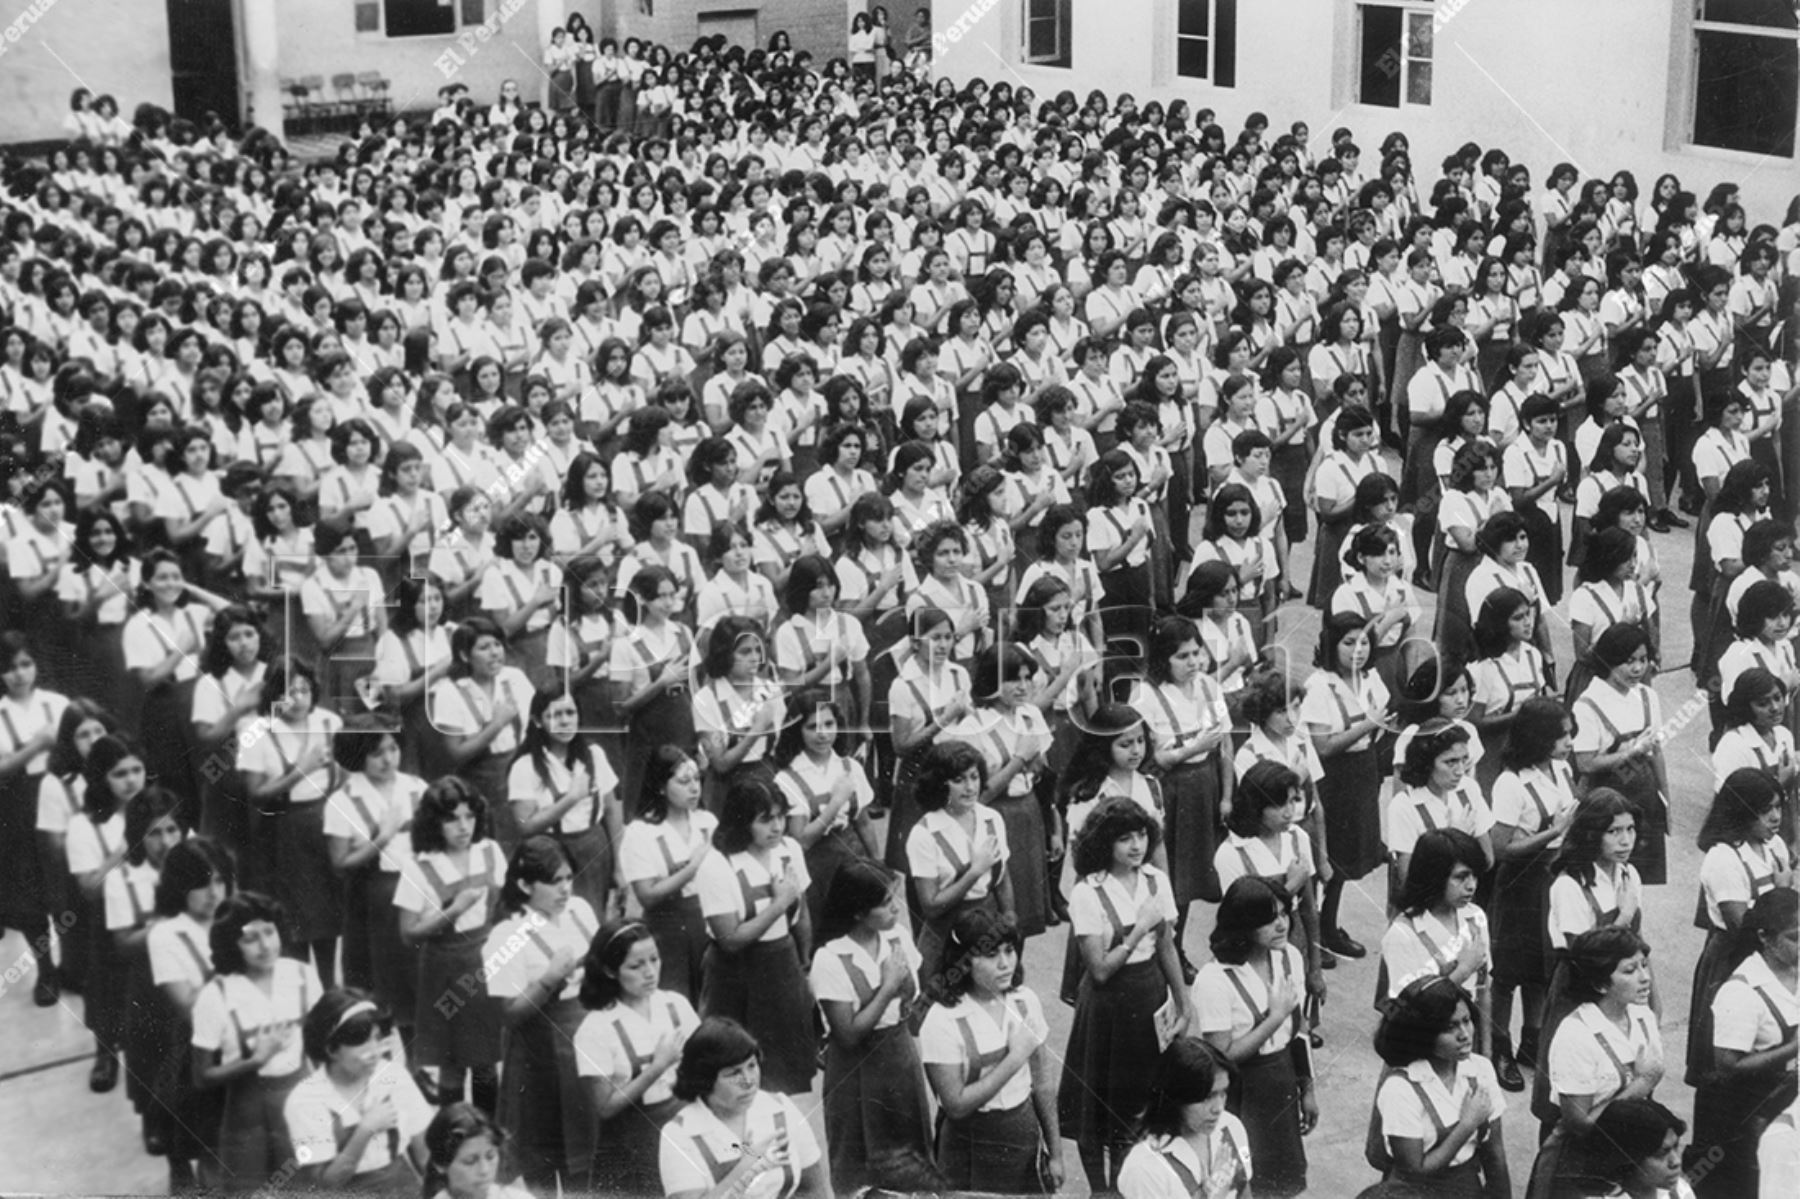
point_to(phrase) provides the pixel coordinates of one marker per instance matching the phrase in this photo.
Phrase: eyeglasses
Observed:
(358, 1029)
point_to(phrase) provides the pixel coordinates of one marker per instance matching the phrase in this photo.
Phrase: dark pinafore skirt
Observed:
(594, 854)
(144, 1024)
(1266, 1097)
(993, 1152)
(1127, 599)
(1328, 564)
(383, 962)
(626, 1149)
(666, 720)
(253, 1136)
(1112, 1054)
(22, 892)
(1455, 623)
(763, 988)
(342, 675)
(1288, 467)
(1191, 794)
(542, 1106)
(1455, 1182)
(304, 881)
(877, 1118)
(1026, 864)
(1730, 1117)
(456, 1023)
(1724, 951)
(1350, 794)
(681, 939)
(104, 994)
(1517, 917)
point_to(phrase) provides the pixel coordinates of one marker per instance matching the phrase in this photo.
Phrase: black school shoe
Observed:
(1339, 942)
(1507, 1071)
(1672, 520)
(105, 1074)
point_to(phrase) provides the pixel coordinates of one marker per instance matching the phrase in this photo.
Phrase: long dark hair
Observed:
(1580, 854)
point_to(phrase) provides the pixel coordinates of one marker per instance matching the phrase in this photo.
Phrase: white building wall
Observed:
(121, 47)
(48, 48)
(1600, 83)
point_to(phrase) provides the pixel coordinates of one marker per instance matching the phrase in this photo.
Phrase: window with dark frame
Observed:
(1394, 54)
(1206, 41)
(1044, 29)
(417, 18)
(1747, 76)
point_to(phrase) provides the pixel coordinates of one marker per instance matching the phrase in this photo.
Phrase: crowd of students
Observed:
(582, 630)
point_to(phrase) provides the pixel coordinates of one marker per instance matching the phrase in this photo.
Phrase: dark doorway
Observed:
(203, 59)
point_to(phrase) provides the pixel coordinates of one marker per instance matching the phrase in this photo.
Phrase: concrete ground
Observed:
(56, 1137)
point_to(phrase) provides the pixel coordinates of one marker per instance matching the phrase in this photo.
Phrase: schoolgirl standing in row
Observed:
(446, 902)
(751, 893)
(865, 976)
(1533, 806)
(1247, 1001)
(627, 1048)
(1745, 859)
(539, 948)
(660, 855)
(983, 1046)
(1122, 915)
(1345, 712)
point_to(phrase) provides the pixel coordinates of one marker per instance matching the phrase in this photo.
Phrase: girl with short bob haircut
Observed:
(983, 1045)
(1266, 841)
(752, 893)
(719, 1083)
(1438, 1106)
(244, 1043)
(1248, 1002)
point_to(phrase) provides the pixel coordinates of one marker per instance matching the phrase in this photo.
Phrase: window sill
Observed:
(1740, 157)
(411, 39)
